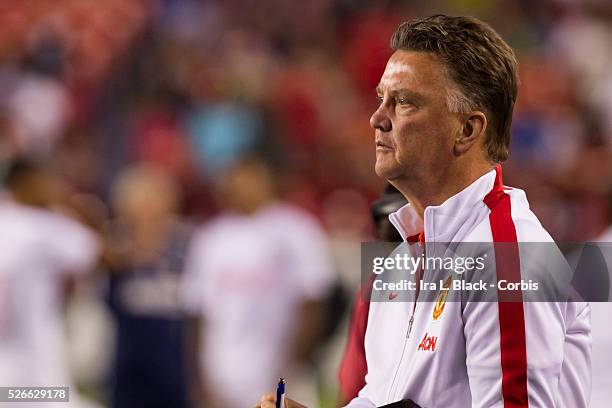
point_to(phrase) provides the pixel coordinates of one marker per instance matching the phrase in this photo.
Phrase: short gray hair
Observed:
(479, 61)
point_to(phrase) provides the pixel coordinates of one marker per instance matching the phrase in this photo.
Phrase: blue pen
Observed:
(280, 394)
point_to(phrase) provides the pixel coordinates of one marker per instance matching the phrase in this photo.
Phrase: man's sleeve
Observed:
(529, 360)
(575, 380)
(514, 353)
(71, 247)
(516, 349)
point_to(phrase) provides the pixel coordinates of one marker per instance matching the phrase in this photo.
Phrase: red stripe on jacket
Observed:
(513, 344)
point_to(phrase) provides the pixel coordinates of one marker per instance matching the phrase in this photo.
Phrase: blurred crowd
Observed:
(184, 155)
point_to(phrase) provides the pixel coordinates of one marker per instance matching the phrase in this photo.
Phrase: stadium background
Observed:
(88, 88)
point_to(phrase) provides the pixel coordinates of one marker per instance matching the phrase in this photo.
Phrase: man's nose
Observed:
(380, 120)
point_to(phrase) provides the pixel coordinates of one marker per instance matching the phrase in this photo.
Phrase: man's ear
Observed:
(474, 128)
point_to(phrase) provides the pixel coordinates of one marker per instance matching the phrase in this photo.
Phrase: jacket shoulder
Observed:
(528, 226)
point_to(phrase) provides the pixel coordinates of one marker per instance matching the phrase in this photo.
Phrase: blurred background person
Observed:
(42, 251)
(39, 103)
(146, 245)
(258, 275)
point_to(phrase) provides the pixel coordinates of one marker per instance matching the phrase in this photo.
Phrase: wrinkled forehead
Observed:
(413, 69)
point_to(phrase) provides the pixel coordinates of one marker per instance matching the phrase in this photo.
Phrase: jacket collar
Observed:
(442, 222)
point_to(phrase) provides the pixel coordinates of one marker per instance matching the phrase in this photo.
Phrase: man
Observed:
(442, 126)
(257, 275)
(41, 251)
(147, 244)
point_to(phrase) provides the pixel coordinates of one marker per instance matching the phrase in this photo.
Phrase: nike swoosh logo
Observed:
(392, 296)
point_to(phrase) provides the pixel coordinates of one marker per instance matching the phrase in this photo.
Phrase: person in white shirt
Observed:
(441, 129)
(40, 250)
(256, 275)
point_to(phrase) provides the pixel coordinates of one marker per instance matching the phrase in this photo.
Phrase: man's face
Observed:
(414, 130)
(246, 186)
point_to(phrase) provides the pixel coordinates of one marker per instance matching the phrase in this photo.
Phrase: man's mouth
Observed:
(382, 146)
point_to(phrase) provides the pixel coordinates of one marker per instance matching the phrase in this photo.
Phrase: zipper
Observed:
(410, 326)
(419, 276)
(401, 359)
(391, 390)
(408, 331)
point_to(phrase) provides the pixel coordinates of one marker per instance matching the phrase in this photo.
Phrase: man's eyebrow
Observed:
(401, 92)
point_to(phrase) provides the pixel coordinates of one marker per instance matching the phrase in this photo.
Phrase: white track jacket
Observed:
(478, 354)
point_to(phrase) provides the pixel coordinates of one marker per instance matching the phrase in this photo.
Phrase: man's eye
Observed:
(403, 101)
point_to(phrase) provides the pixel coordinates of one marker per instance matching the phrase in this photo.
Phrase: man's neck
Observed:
(437, 188)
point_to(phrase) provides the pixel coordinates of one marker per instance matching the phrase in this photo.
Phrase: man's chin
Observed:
(387, 172)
